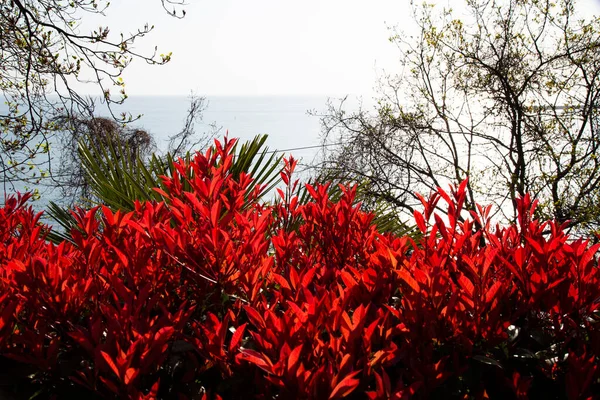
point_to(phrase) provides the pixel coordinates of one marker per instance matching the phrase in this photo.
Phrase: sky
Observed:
(266, 47)
(261, 47)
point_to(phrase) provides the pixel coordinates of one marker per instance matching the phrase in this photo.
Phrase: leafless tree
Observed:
(187, 138)
(131, 143)
(506, 96)
(43, 52)
(99, 133)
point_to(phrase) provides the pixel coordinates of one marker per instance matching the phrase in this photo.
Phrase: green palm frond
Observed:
(117, 180)
(66, 221)
(257, 160)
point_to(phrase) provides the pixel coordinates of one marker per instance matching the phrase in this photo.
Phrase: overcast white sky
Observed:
(262, 47)
(266, 47)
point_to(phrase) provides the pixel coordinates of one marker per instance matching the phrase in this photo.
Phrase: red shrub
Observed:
(211, 294)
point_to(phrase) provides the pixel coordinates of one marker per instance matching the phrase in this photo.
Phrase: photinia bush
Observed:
(212, 294)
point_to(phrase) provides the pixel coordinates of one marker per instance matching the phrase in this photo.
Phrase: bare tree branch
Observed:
(507, 97)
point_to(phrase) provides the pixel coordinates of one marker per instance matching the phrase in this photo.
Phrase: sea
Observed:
(291, 123)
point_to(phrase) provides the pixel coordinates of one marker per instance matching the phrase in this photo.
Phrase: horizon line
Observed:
(336, 95)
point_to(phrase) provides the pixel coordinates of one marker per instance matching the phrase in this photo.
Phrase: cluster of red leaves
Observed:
(211, 294)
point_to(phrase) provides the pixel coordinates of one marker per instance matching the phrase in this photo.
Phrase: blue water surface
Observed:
(285, 119)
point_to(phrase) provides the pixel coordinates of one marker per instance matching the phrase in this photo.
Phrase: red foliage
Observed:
(211, 294)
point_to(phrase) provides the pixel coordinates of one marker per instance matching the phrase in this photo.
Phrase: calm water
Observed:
(284, 119)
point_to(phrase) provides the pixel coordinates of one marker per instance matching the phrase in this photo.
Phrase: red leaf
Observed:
(349, 281)
(137, 227)
(294, 358)
(281, 194)
(298, 311)
(345, 365)
(491, 293)
(284, 178)
(463, 186)
(164, 334)
(237, 337)
(370, 330)
(161, 192)
(215, 213)
(153, 394)
(466, 285)
(124, 259)
(258, 359)
(110, 363)
(281, 281)
(420, 221)
(512, 268)
(536, 246)
(130, 375)
(345, 387)
(311, 190)
(359, 315)
(294, 277)
(307, 277)
(110, 385)
(405, 276)
(108, 215)
(255, 317)
(441, 226)
(393, 259)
